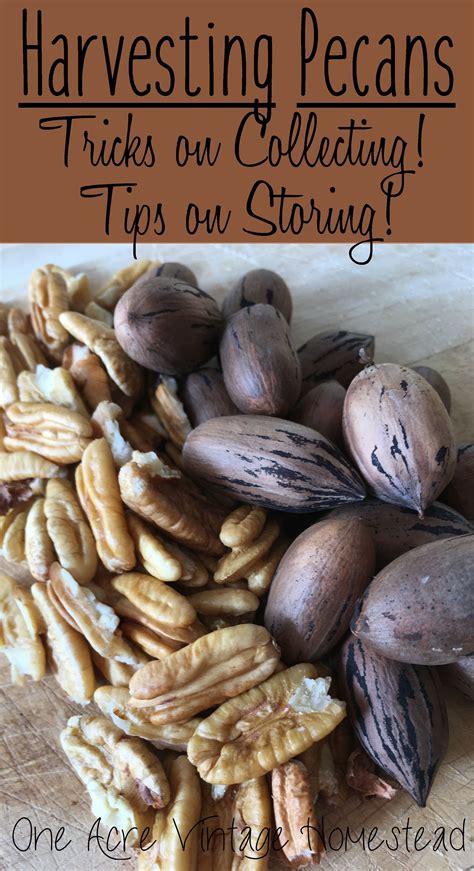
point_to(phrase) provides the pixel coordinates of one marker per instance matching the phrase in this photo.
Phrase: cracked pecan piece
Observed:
(167, 406)
(68, 652)
(162, 496)
(293, 807)
(99, 495)
(55, 433)
(89, 374)
(211, 669)
(77, 287)
(48, 300)
(107, 422)
(100, 339)
(20, 627)
(51, 385)
(96, 620)
(262, 728)
(124, 778)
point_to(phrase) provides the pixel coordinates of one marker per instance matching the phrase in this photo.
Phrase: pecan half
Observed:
(213, 668)
(25, 465)
(243, 526)
(39, 550)
(241, 560)
(97, 487)
(163, 605)
(113, 702)
(163, 496)
(57, 434)
(182, 813)
(293, 806)
(124, 778)
(264, 727)
(69, 532)
(68, 652)
(48, 300)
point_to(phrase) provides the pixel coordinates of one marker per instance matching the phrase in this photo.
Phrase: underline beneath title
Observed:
(213, 105)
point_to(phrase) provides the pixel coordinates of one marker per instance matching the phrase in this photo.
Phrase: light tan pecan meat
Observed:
(12, 533)
(96, 620)
(51, 385)
(99, 494)
(264, 727)
(293, 807)
(48, 300)
(68, 652)
(101, 340)
(242, 526)
(69, 532)
(169, 409)
(241, 560)
(110, 293)
(18, 321)
(77, 287)
(8, 374)
(39, 550)
(20, 626)
(162, 496)
(89, 375)
(113, 702)
(98, 313)
(107, 422)
(146, 639)
(261, 573)
(162, 604)
(224, 602)
(55, 433)
(246, 811)
(24, 466)
(116, 673)
(213, 668)
(182, 813)
(28, 351)
(123, 776)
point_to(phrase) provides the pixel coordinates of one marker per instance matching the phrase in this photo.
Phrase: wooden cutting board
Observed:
(417, 300)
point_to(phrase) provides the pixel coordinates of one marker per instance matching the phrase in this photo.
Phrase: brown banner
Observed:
(237, 121)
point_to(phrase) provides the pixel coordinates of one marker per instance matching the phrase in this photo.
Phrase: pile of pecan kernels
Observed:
(184, 583)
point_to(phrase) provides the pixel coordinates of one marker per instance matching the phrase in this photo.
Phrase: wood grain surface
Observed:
(417, 300)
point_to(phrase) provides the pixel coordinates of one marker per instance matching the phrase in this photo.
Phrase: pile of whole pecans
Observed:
(220, 528)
